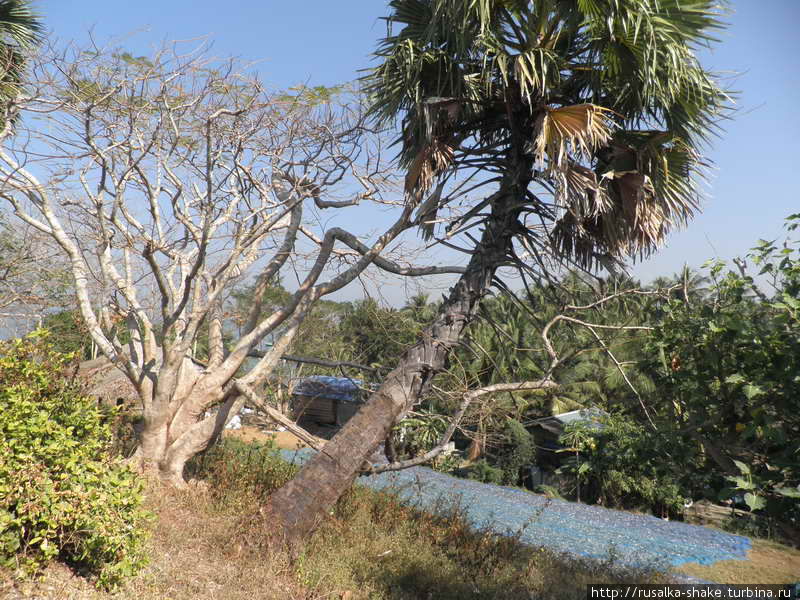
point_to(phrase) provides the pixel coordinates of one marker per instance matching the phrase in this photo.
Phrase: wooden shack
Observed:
(324, 400)
(108, 384)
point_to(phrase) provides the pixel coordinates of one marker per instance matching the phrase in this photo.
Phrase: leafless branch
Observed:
(469, 397)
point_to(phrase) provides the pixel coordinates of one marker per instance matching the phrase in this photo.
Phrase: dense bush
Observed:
(514, 451)
(482, 471)
(232, 466)
(623, 464)
(62, 493)
(735, 386)
(517, 451)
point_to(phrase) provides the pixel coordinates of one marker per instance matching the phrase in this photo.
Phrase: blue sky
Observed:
(322, 42)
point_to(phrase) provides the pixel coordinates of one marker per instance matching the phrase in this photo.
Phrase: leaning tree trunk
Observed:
(297, 508)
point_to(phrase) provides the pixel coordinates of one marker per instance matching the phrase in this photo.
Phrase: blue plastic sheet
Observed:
(569, 527)
(330, 388)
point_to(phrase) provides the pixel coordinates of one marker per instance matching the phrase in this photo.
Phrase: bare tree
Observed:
(167, 179)
(33, 278)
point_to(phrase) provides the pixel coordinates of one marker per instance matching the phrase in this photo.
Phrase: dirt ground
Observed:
(766, 563)
(283, 439)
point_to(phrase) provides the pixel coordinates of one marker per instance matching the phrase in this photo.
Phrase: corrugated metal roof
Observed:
(589, 416)
(330, 388)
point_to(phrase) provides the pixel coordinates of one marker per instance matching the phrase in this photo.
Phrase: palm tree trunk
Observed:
(298, 507)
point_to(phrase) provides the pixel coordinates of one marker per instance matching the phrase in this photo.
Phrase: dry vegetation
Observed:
(206, 544)
(767, 563)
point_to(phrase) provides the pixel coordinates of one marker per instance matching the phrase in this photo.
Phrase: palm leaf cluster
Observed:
(20, 29)
(605, 99)
(506, 344)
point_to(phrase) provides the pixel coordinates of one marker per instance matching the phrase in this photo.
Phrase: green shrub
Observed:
(482, 471)
(623, 465)
(518, 451)
(234, 468)
(62, 493)
(728, 371)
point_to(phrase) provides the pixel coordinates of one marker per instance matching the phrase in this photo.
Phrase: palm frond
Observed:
(20, 25)
(579, 130)
(613, 99)
(20, 29)
(537, 70)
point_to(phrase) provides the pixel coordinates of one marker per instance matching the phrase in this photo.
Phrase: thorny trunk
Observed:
(297, 508)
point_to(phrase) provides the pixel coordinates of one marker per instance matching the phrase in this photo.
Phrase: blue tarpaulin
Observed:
(329, 388)
(578, 529)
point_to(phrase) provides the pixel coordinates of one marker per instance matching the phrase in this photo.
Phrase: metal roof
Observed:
(589, 416)
(329, 388)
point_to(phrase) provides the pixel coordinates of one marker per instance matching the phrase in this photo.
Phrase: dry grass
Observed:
(373, 547)
(207, 545)
(382, 549)
(195, 553)
(767, 563)
(250, 434)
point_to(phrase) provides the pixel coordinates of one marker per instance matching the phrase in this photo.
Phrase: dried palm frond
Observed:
(578, 129)
(430, 162)
(426, 213)
(578, 189)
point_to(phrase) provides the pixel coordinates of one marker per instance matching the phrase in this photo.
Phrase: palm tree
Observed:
(20, 29)
(578, 124)
(691, 284)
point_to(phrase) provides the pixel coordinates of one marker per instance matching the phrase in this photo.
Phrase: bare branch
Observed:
(277, 416)
(469, 397)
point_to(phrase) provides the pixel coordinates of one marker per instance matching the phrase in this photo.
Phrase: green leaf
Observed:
(754, 502)
(743, 468)
(788, 492)
(741, 483)
(751, 391)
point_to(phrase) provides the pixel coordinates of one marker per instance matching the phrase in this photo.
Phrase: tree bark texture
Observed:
(297, 508)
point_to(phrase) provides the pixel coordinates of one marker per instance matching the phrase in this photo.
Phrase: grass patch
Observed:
(373, 546)
(207, 544)
(767, 563)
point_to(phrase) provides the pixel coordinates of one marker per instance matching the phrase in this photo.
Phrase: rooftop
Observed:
(330, 388)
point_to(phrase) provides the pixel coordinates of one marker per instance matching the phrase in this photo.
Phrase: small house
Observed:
(324, 400)
(547, 431)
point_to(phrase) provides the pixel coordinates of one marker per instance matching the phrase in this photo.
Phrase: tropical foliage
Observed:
(378, 335)
(736, 386)
(623, 464)
(570, 130)
(602, 104)
(62, 493)
(20, 29)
